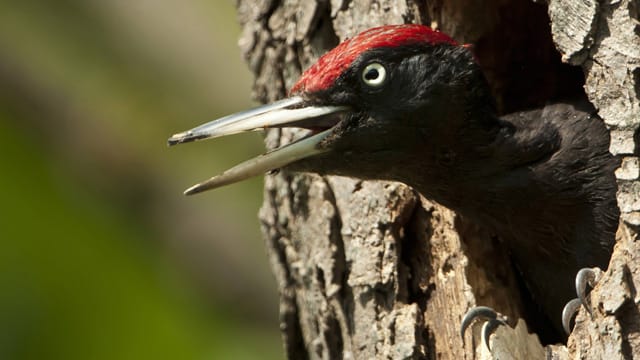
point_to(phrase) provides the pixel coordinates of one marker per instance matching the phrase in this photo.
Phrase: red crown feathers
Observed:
(326, 70)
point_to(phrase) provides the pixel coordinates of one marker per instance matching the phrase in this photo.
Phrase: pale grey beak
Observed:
(283, 113)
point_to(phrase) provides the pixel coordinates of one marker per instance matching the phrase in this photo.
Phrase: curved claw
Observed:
(568, 312)
(493, 321)
(488, 328)
(585, 277)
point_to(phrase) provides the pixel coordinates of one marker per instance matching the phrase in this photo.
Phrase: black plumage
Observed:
(541, 180)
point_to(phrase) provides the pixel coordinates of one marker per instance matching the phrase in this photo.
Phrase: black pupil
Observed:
(371, 74)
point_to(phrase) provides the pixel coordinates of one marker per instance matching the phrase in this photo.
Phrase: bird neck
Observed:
(480, 166)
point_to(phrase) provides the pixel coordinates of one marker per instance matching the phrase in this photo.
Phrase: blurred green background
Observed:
(101, 256)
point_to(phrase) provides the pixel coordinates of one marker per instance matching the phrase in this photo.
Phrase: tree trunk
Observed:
(370, 269)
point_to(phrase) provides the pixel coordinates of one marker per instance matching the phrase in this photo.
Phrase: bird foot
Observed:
(585, 277)
(492, 319)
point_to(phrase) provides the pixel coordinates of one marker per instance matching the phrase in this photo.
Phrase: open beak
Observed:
(289, 112)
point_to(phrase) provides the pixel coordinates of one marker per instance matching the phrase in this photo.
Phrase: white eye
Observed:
(374, 74)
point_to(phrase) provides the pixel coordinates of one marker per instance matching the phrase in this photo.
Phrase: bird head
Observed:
(376, 105)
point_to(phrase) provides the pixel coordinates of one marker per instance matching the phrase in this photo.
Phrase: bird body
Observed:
(407, 103)
(553, 202)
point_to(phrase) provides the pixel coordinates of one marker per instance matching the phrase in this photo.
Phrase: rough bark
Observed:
(604, 39)
(372, 270)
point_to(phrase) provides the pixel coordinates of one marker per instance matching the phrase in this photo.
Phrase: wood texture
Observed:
(370, 270)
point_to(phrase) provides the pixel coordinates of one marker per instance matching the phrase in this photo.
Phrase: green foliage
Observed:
(100, 255)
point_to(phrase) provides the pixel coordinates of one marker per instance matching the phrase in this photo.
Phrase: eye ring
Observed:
(374, 74)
